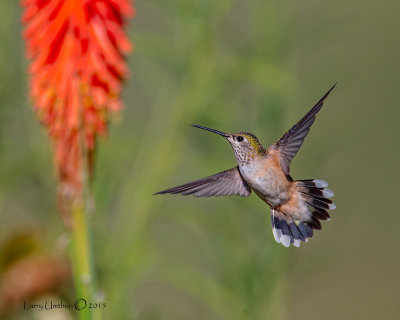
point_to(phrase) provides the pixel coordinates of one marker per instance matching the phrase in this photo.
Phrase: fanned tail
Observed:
(316, 196)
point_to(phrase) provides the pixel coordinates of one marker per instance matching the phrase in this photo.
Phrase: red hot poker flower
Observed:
(77, 49)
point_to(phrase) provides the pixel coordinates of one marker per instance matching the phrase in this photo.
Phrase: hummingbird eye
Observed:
(240, 138)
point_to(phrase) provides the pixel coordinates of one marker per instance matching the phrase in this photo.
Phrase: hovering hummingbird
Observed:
(297, 206)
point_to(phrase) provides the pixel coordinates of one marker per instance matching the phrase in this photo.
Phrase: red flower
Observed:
(77, 49)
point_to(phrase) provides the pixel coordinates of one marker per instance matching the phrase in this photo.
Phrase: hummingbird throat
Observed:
(243, 157)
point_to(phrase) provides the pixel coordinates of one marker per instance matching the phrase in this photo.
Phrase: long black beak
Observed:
(212, 130)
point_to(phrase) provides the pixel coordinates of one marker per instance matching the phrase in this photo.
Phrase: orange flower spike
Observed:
(76, 48)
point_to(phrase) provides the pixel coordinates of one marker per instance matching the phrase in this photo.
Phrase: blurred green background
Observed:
(239, 65)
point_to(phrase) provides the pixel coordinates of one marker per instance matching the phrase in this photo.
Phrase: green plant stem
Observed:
(82, 262)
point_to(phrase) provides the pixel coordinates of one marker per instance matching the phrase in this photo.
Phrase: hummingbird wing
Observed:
(228, 182)
(292, 140)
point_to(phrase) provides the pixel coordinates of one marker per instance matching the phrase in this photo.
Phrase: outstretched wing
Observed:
(228, 182)
(292, 140)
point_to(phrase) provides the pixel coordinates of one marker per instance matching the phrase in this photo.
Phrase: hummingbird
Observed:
(296, 206)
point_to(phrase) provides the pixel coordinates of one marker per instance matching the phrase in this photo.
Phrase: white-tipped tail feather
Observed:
(292, 231)
(288, 231)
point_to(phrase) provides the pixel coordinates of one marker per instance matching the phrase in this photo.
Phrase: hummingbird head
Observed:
(245, 145)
